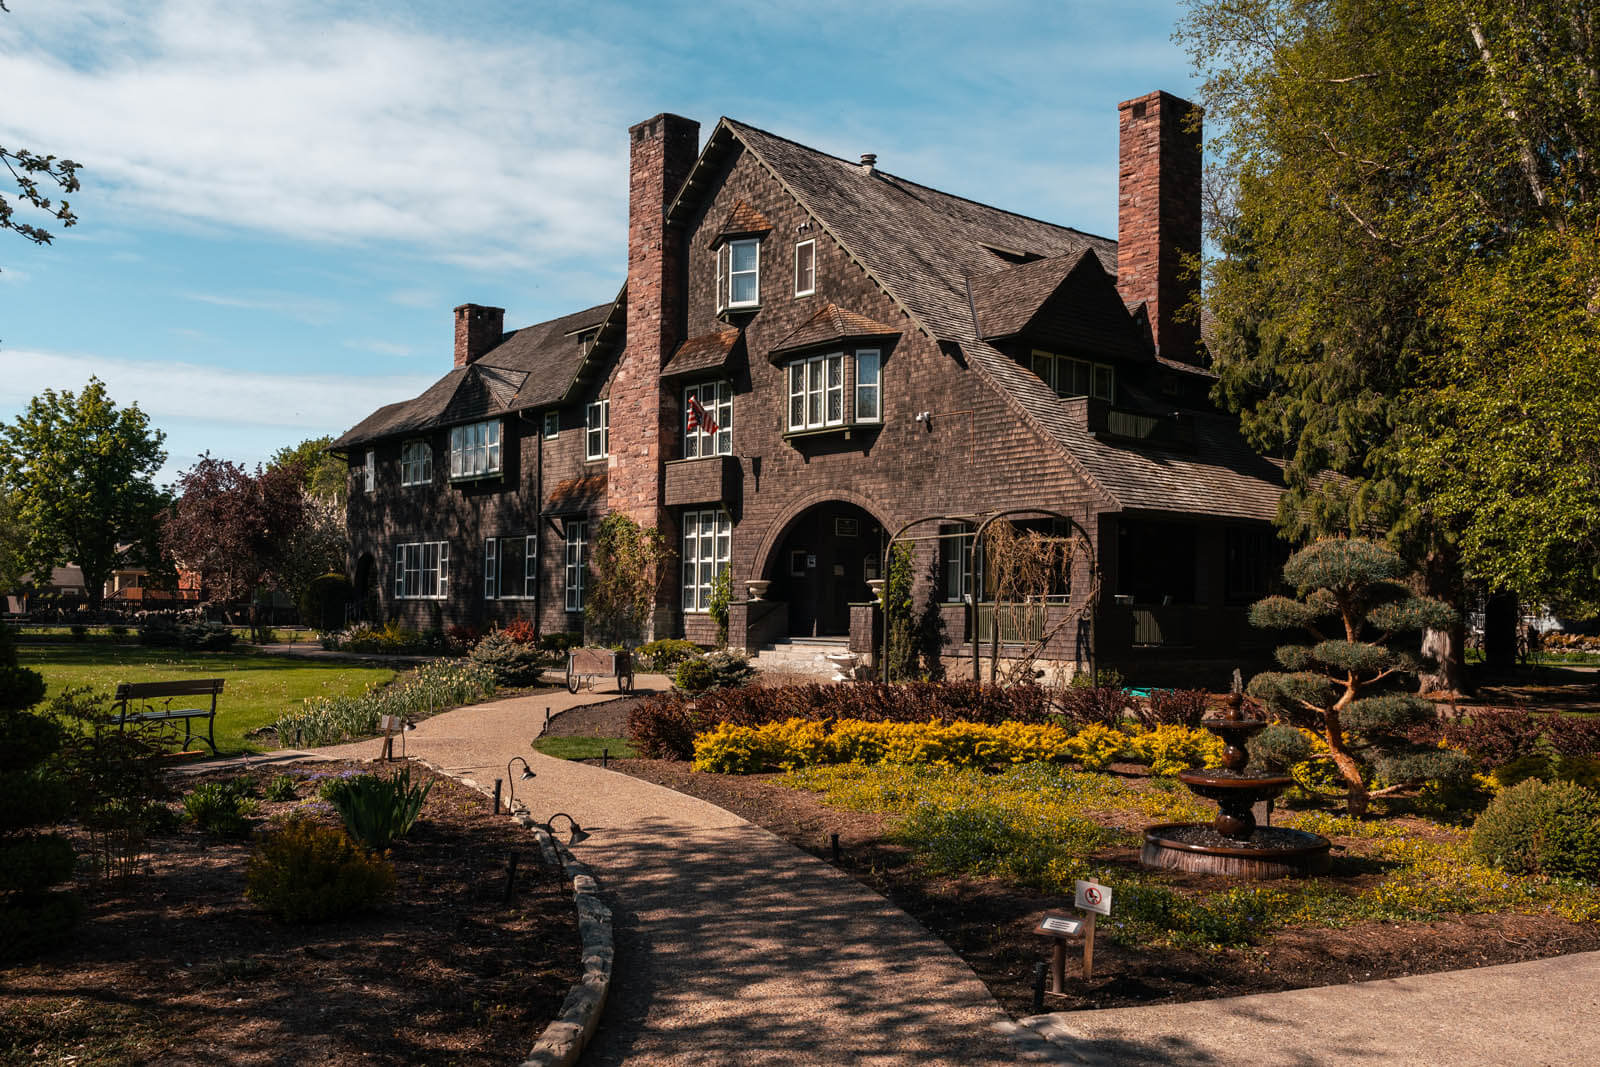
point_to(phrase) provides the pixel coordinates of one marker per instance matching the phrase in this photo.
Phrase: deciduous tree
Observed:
(80, 473)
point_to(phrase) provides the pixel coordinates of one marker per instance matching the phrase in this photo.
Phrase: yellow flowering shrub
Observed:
(1171, 748)
(1096, 747)
(728, 749)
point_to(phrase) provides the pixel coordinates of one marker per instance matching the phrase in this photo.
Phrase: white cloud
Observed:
(306, 404)
(282, 119)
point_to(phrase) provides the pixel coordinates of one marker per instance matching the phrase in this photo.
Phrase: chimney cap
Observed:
(869, 162)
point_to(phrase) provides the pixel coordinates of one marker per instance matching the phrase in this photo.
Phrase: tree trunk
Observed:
(1441, 578)
(1349, 769)
(1500, 617)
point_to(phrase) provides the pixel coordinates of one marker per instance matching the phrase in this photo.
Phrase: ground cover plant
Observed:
(417, 954)
(259, 687)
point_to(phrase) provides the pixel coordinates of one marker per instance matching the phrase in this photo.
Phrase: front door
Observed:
(824, 566)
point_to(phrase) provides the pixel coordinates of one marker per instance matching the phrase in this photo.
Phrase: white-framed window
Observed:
(552, 424)
(717, 400)
(1075, 377)
(475, 450)
(805, 268)
(707, 536)
(369, 472)
(739, 274)
(491, 569)
(577, 561)
(416, 463)
(816, 392)
(955, 555)
(511, 568)
(869, 389)
(597, 439)
(422, 570)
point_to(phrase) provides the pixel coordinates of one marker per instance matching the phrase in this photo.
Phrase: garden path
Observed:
(732, 945)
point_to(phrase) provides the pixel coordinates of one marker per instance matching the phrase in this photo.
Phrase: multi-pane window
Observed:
(955, 557)
(577, 562)
(716, 400)
(739, 274)
(475, 450)
(805, 268)
(706, 538)
(868, 393)
(369, 472)
(416, 463)
(422, 570)
(816, 392)
(597, 420)
(510, 567)
(1075, 377)
(552, 423)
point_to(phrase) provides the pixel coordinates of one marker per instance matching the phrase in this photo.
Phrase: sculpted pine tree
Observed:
(1361, 620)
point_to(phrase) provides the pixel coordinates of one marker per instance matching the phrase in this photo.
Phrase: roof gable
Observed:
(832, 325)
(742, 221)
(1065, 303)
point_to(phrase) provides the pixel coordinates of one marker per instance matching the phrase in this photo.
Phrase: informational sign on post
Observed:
(1092, 896)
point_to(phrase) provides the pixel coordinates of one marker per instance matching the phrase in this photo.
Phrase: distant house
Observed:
(808, 354)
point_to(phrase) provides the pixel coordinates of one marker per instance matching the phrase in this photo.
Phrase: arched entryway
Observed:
(821, 565)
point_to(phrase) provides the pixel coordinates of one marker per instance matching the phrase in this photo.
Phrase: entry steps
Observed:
(801, 655)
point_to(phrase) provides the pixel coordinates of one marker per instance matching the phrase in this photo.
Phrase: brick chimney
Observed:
(1158, 215)
(643, 414)
(478, 329)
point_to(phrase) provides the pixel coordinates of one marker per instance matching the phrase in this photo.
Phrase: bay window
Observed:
(716, 398)
(707, 536)
(475, 450)
(816, 392)
(867, 388)
(422, 570)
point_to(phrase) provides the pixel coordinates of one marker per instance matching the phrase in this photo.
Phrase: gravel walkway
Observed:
(733, 946)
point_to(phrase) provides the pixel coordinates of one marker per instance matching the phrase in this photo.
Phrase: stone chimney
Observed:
(1158, 216)
(644, 414)
(478, 329)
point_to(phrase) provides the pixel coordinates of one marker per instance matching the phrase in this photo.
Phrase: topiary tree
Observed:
(1344, 682)
(32, 795)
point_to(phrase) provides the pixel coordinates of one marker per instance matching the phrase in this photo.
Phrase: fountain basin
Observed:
(1269, 851)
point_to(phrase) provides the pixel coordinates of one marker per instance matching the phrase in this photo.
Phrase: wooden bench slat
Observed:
(187, 687)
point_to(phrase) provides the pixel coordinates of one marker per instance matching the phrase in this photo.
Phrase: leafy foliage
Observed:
(281, 789)
(434, 687)
(1174, 707)
(323, 475)
(1343, 687)
(378, 811)
(627, 564)
(898, 607)
(79, 473)
(1546, 828)
(722, 669)
(307, 873)
(666, 653)
(1106, 705)
(221, 808)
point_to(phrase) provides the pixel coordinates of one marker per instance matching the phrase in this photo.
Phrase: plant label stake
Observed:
(498, 782)
(1093, 899)
(1057, 928)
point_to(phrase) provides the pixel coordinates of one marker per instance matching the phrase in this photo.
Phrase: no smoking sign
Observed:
(1092, 896)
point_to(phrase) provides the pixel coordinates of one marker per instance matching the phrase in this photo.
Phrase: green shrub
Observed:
(1549, 828)
(79, 631)
(160, 631)
(206, 637)
(281, 789)
(665, 654)
(560, 641)
(512, 662)
(27, 862)
(221, 808)
(715, 670)
(378, 811)
(306, 873)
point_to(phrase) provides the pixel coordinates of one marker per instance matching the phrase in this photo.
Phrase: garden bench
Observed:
(136, 702)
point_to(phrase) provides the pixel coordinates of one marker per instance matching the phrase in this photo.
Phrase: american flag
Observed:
(699, 419)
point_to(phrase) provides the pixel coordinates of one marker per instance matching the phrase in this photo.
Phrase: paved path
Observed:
(734, 947)
(1538, 1013)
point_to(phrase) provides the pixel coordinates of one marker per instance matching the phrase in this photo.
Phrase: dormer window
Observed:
(1075, 377)
(739, 274)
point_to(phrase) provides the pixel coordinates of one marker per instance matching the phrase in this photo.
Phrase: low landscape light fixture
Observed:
(577, 832)
(527, 776)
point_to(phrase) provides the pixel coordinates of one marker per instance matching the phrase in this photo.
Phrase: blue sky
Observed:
(282, 202)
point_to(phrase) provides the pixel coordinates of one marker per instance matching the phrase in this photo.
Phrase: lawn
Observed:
(258, 689)
(582, 748)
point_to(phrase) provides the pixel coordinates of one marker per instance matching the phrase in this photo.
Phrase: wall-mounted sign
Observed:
(811, 562)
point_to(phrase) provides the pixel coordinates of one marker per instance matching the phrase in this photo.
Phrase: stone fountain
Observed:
(1232, 843)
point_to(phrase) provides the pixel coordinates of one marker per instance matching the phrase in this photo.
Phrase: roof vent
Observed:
(869, 163)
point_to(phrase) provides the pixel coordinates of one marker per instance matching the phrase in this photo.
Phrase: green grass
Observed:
(1547, 659)
(258, 688)
(584, 747)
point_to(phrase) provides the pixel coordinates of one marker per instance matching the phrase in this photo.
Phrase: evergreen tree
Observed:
(1352, 603)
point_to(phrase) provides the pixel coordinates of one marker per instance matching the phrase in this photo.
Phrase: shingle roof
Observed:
(531, 367)
(1065, 302)
(577, 494)
(709, 351)
(830, 325)
(742, 220)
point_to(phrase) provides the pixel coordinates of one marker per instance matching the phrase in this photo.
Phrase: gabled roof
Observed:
(535, 366)
(1064, 302)
(831, 325)
(742, 221)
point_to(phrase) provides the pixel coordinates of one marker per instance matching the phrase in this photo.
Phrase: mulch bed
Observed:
(177, 966)
(989, 923)
(609, 718)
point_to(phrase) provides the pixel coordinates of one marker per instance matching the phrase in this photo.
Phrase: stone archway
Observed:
(819, 562)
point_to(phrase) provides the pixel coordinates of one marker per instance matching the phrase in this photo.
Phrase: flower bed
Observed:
(432, 688)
